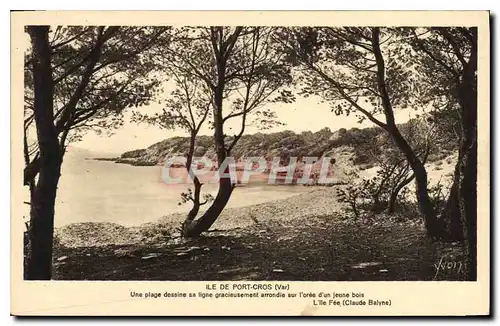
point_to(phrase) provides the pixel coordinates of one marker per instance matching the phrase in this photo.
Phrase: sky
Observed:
(306, 114)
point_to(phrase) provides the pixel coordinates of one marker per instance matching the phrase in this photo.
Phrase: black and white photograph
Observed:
(251, 152)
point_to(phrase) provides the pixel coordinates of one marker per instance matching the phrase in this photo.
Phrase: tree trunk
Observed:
(391, 206)
(468, 204)
(468, 159)
(432, 225)
(212, 213)
(425, 205)
(225, 185)
(197, 187)
(194, 210)
(451, 212)
(44, 194)
(42, 223)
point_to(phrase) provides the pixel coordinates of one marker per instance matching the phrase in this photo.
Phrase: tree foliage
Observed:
(76, 79)
(97, 72)
(242, 71)
(365, 71)
(393, 175)
(452, 53)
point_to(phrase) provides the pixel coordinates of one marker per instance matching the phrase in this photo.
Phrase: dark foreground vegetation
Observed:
(322, 249)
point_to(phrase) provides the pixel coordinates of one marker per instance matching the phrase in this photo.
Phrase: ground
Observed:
(322, 248)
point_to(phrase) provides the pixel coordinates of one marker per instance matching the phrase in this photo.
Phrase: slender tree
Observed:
(187, 107)
(76, 79)
(448, 60)
(244, 70)
(363, 71)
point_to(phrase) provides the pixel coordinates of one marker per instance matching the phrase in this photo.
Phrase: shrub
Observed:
(438, 195)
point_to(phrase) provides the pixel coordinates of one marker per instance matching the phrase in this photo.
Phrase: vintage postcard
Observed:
(250, 163)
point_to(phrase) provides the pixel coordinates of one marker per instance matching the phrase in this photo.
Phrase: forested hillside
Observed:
(364, 144)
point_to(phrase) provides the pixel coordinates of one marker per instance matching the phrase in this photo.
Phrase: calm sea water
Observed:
(100, 191)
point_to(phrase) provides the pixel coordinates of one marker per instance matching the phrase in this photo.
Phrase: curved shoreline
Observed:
(318, 201)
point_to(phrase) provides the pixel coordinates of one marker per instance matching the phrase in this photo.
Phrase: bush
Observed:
(360, 195)
(352, 195)
(438, 195)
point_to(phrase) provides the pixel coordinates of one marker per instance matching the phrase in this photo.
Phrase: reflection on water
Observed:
(100, 191)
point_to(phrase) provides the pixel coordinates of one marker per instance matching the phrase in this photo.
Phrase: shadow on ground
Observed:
(316, 250)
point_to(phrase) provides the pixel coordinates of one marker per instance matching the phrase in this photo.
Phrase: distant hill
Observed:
(360, 143)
